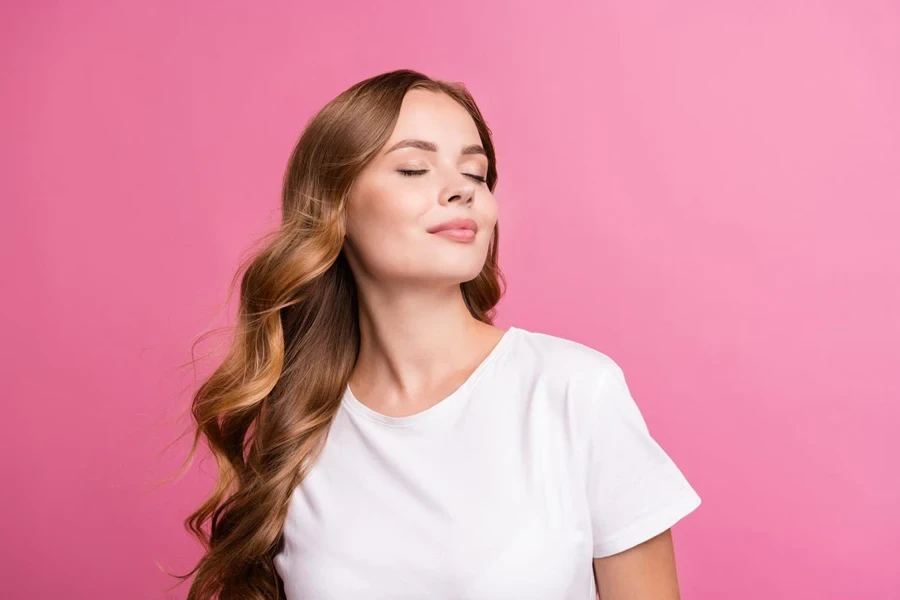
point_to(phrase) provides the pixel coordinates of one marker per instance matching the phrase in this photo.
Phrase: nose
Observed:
(461, 191)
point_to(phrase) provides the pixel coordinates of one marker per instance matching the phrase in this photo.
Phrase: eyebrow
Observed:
(432, 147)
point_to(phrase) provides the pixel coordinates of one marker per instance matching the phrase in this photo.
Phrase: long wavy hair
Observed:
(266, 408)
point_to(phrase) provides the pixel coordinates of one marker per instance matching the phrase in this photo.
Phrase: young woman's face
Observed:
(430, 171)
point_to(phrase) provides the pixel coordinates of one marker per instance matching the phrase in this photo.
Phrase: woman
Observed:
(376, 435)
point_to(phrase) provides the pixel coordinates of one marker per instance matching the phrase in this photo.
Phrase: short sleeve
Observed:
(635, 490)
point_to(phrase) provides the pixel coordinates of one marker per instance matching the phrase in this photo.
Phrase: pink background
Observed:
(709, 192)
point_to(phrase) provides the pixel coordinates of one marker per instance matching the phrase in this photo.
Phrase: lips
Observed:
(459, 223)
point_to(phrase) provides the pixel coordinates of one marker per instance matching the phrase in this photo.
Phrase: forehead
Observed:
(435, 117)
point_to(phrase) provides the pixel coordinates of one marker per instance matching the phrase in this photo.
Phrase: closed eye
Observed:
(413, 173)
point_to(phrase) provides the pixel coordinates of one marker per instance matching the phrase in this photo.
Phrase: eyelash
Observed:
(413, 173)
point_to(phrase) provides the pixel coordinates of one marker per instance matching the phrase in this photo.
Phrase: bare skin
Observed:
(418, 340)
(644, 572)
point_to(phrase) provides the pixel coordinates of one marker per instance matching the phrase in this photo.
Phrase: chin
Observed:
(458, 275)
(470, 274)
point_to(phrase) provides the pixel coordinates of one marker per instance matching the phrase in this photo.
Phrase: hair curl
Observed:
(266, 409)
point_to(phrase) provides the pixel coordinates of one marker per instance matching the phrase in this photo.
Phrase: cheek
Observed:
(388, 229)
(489, 210)
(381, 208)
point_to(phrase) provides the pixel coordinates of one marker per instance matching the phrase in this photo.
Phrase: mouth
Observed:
(459, 234)
(459, 224)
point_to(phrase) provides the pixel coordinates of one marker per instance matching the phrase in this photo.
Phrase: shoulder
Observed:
(565, 358)
(575, 379)
(577, 386)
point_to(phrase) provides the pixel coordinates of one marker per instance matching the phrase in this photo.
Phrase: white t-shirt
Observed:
(506, 489)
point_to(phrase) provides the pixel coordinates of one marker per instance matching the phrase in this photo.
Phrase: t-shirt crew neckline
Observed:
(457, 396)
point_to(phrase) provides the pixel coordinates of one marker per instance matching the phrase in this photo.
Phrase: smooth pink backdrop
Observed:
(706, 191)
